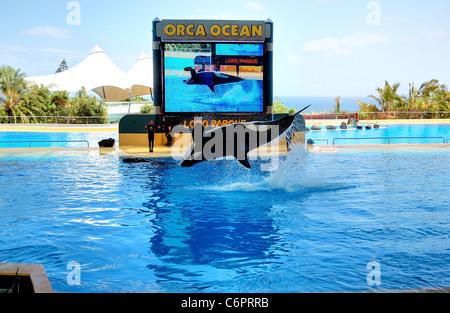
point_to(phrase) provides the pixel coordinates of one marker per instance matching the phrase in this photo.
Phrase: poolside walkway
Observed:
(381, 122)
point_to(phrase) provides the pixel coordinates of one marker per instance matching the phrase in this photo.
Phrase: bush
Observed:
(88, 106)
(280, 108)
(147, 109)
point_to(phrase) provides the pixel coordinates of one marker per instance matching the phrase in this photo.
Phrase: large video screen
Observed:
(213, 77)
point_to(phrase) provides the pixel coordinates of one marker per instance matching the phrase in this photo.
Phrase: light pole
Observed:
(131, 100)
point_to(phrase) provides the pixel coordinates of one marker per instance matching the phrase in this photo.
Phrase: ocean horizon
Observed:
(323, 104)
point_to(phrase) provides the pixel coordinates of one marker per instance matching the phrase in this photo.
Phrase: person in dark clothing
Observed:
(151, 135)
(169, 136)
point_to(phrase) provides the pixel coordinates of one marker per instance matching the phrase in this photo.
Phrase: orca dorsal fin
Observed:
(245, 162)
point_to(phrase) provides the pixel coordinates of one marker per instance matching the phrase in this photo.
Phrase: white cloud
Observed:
(37, 61)
(345, 45)
(294, 60)
(48, 31)
(435, 34)
(255, 6)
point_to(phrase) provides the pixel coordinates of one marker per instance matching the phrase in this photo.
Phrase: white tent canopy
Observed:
(140, 76)
(99, 74)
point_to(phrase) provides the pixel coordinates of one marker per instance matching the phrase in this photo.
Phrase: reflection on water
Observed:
(198, 230)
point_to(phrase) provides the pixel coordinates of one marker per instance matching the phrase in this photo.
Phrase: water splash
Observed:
(288, 175)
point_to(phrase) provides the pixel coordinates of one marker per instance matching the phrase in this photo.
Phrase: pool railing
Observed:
(29, 142)
(391, 138)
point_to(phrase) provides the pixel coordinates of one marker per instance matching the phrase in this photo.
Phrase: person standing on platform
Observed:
(151, 135)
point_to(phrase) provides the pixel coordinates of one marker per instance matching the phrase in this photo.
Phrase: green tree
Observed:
(280, 108)
(62, 67)
(365, 108)
(36, 101)
(60, 106)
(414, 101)
(337, 105)
(15, 100)
(387, 96)
(88, 106)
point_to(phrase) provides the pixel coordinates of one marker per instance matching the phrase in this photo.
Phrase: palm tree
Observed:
(429, 87)
(337, 106)
(441, 101)
(387, 96)
(16, 102)
(12, 84)
(414, 102)
(428, 90)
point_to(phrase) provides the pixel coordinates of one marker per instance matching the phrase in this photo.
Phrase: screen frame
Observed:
(206, 113)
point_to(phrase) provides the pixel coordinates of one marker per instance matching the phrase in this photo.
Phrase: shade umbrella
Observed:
(140, 76)
(97, 73)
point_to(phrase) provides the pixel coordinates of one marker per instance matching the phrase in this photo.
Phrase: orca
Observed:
(235, 140)
(141, 160)
(211, 79)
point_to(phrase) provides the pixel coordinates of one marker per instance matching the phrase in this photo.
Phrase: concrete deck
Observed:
(36, 272)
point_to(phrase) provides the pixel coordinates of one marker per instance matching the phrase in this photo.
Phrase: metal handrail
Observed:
(371, 115)
(388, 138)
(448, 140)
(47, 141)
(68, 119)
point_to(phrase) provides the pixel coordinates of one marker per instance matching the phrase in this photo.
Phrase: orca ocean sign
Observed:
(194, 30)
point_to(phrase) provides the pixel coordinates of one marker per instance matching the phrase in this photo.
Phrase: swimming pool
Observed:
(438, 131)
(312, 225)
(58, 137)
(360, 136)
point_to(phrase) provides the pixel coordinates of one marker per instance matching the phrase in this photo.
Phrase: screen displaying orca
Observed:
(235, 140)
(211, 79)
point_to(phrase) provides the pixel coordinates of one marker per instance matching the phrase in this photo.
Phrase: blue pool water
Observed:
(92, 137)
(322, 137)
(386, 130)
(312, 225)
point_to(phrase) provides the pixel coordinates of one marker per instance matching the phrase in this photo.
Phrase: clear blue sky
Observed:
(322, 47)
